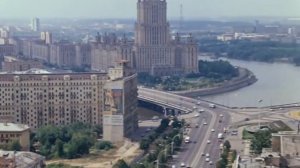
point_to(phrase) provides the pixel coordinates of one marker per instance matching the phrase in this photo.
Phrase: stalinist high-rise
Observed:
(155, 51)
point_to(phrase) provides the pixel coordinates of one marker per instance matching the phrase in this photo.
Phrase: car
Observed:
(188, 166)
(202, 154)
(207, 159)
(198, 103)
(234, 133)
(221, 115)
(196, 115)
(212, 130)
(201, 111)
(182, 164)
(204, 123)
(194, 107)
(247, 119)
(197, 126)
(207, 155)
(210, 162)
(173, 166)
(208, 141)
(212, 106)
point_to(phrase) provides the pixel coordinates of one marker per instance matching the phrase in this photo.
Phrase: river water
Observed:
(278, 83)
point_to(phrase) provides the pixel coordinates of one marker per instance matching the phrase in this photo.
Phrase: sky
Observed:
(127, 8)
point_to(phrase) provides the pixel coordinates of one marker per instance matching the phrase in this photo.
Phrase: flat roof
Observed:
(11, 127)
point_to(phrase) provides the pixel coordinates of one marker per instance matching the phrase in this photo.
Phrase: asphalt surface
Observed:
(191, 153)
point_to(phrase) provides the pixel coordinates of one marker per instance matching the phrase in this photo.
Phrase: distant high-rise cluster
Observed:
(153, 50)
(35, 24)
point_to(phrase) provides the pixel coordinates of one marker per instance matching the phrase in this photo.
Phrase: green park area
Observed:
(210, 74)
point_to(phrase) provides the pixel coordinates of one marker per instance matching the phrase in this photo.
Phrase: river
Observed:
(278, 83)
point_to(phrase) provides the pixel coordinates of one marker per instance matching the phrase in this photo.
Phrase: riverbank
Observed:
(244, 79)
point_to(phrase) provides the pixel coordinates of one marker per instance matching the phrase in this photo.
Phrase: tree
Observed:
(138, 165)
(144, 144)
(227, 145)
(104, 145)
(165, 122)
(121, 164)
(262, 139)
(15, 146)
(70, 150)
(234, 155)
(59, 148)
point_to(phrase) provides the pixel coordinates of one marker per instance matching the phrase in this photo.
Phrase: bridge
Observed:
(207, 121)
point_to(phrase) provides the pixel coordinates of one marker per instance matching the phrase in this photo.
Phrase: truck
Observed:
(187, 139)
(220, 136)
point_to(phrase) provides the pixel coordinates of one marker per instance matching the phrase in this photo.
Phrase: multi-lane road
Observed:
(192, 153)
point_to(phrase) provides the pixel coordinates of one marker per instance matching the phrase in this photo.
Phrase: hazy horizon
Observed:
(192, 9)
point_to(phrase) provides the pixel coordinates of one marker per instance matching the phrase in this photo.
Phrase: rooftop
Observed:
(285, 133)
(11, 127)
(30, 71)
(22, 159)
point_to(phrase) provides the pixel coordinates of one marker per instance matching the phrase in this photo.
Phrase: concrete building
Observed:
(108, 50)
(46, 37)
(63, 54)
(287, 143)
(12, 159)
(35, 24)
(155, 51)
(39, 98)
(120, 112)
(7, 49)
(83, 55)
(11, 64)
(10, 132)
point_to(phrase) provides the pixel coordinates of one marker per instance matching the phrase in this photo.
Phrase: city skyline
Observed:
(107, 9)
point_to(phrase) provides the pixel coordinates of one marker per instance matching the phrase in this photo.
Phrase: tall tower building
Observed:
(35, 24)
(155, 52)
(152, 27)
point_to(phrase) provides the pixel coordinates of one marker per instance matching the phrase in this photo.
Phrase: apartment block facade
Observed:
(39, 99)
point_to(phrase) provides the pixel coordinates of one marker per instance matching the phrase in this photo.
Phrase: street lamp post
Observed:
(172, 143)
(259, 101)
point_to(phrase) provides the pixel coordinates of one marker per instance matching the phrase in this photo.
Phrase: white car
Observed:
(207, 159)
(173, 166)
(194, 107)
(212, 130)
(182, 164)
(208, 141)
(207, 155)
(221, 115)
(210, 162)
(204, 123)
(198, 103)
(196, 115)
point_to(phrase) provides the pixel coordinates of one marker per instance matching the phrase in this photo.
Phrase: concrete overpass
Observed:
(191, 154)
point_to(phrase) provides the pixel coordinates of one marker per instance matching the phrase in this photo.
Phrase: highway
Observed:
(191, 153)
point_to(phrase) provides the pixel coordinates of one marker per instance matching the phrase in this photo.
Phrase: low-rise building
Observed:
(10, 132)
(12, 159)
(287, 143)
(11, 64)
